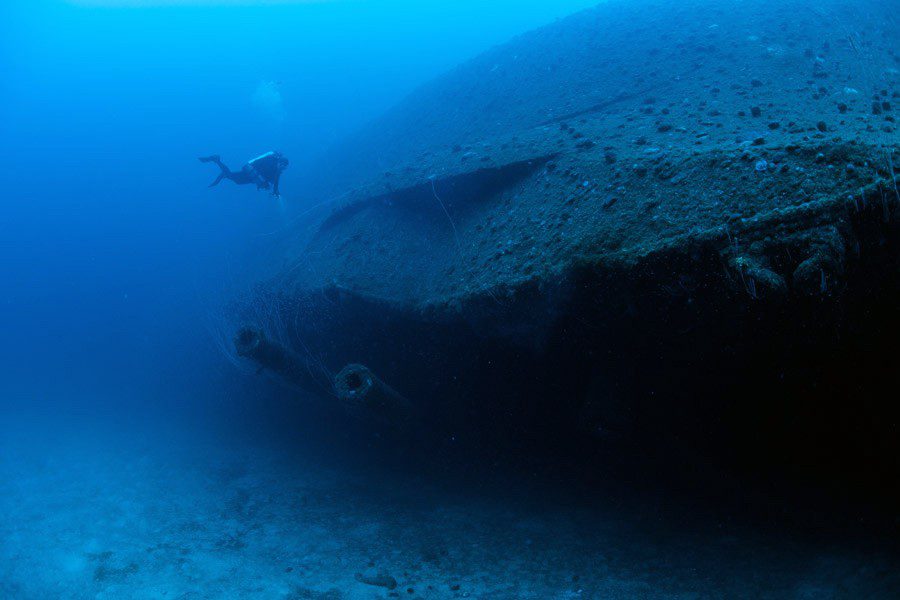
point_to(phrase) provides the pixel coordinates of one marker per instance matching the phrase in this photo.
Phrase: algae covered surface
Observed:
(614, 133)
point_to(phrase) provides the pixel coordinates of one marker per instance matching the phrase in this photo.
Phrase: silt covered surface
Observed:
(603, 138)
(650, 221)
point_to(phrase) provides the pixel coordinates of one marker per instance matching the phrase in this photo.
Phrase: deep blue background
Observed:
(116, 258)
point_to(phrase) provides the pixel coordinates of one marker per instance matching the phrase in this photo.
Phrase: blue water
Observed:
(115, 249)
(137, 460)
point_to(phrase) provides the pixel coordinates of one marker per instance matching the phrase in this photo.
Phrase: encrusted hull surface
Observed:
(628, 219)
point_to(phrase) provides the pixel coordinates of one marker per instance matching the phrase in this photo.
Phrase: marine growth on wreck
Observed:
(628, 224)
(499, 300)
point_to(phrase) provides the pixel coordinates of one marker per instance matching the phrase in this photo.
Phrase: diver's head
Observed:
(282, 161)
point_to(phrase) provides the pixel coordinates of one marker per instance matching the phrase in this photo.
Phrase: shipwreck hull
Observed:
(691, 242)
(672, 349)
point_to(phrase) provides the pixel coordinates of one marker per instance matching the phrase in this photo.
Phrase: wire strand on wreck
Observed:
(446, 212)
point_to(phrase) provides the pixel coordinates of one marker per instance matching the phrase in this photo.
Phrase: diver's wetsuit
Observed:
(264, 171)
(269, 167)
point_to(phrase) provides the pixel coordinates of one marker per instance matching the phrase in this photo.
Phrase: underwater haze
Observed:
(556, 299)
(106, 106)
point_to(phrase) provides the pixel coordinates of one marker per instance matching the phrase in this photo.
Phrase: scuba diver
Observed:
(264, 171)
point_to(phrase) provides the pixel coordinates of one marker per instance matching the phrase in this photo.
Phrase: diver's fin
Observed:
(213, 158)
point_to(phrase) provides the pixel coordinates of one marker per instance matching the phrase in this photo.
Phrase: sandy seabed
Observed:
(116, 517)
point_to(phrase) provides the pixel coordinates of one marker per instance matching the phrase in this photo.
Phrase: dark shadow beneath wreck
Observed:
(668, 374)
